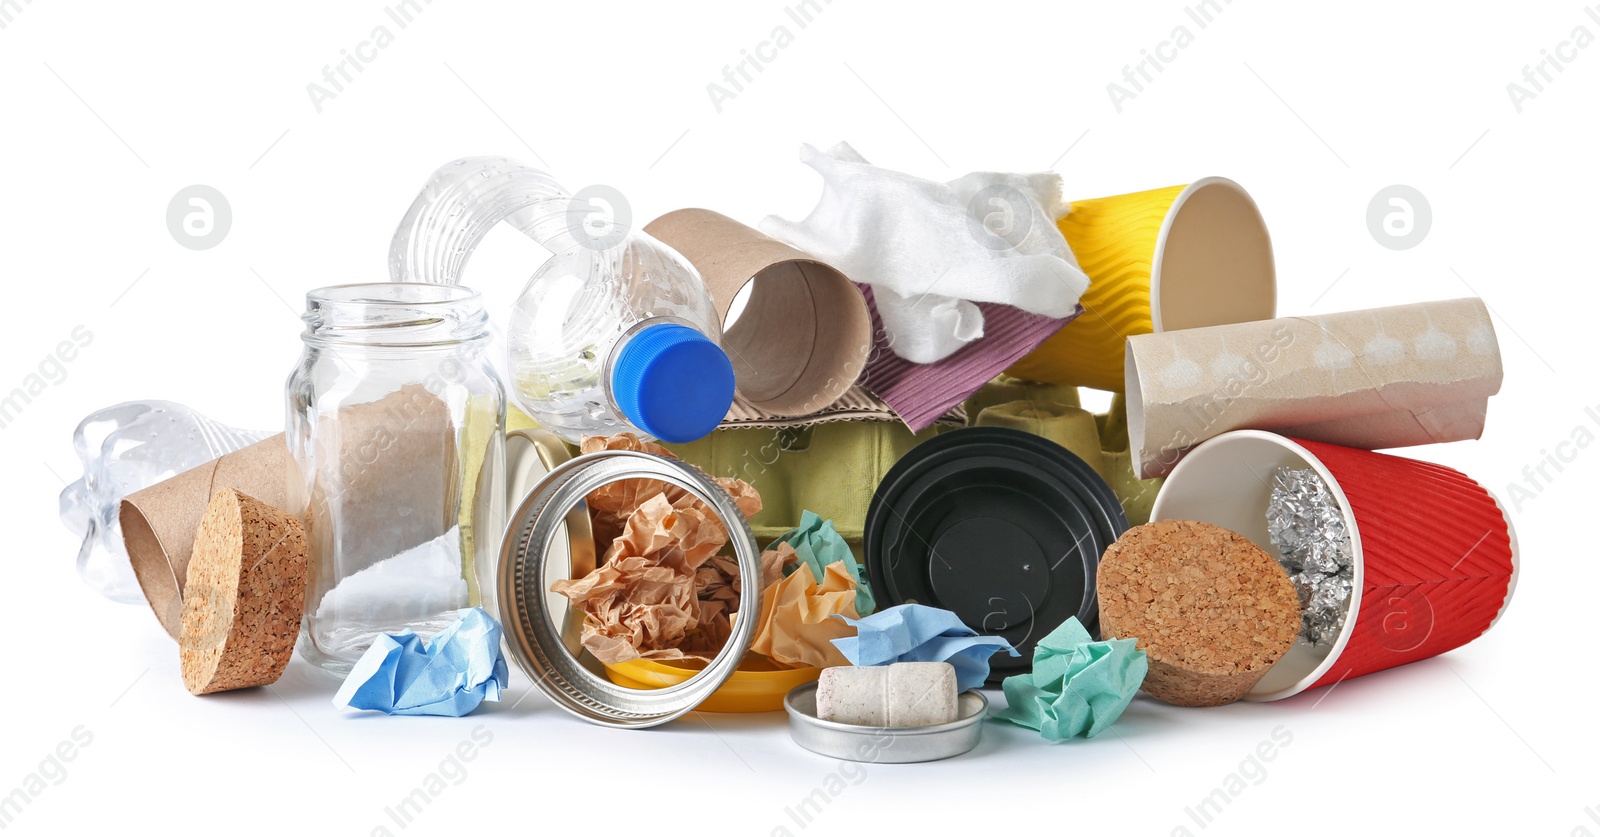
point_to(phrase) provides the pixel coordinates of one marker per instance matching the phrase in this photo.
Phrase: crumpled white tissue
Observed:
(930, 250)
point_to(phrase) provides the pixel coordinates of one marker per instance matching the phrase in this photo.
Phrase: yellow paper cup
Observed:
(1162, 260)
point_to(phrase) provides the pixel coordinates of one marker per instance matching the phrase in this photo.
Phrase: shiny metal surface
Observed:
(885, 745)
(569, 678)
(531, 454)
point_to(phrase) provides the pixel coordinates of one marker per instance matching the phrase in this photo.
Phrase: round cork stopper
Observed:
(1211, 609)
(244, 595)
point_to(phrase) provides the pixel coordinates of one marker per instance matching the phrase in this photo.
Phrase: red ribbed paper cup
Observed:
(1435, 554)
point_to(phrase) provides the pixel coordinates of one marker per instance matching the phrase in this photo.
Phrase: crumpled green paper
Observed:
(1078, 686)
(817, 545)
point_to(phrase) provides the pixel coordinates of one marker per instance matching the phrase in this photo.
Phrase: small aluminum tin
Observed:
(571, 678)
(884, 745)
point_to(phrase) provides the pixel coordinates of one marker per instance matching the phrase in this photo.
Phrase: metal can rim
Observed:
(537, 645)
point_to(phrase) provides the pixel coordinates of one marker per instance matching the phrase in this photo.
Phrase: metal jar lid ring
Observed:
(536, 644)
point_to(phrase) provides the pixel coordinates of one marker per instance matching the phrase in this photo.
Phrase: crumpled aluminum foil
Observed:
(1307, 526)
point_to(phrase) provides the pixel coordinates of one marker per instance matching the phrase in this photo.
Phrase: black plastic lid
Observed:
(1001, 527)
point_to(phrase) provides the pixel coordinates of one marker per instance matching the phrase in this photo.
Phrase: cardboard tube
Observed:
(159, 522)
(391, 451)
(1380, 378)
(804, 334)
(393, 488)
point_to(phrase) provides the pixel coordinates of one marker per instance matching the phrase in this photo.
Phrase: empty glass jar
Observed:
(396, 420)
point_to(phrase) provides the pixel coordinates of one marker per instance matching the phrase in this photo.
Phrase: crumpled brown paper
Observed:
(718, 580)
(610, 505)
(661, 591)
(641, 600)
(797, 627)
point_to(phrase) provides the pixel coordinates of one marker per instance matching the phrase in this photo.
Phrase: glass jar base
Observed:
(338, 666)
(337, 651)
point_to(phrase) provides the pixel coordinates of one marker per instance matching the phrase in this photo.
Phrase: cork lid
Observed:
(244, 597)
(1212, 610)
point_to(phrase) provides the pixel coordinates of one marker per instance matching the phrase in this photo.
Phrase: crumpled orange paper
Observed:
(797, 628)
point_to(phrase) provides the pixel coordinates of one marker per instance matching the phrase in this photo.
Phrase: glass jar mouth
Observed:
(397, 314)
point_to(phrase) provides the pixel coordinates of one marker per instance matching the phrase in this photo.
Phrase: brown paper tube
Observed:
(159, 522)
(392, 489)
(1380, 378)
(804, 334)
(388, 451)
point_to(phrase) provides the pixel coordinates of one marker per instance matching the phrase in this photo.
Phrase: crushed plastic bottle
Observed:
(125, 448)
(615, 331)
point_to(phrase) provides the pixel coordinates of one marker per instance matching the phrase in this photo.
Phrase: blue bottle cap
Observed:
(672, 382)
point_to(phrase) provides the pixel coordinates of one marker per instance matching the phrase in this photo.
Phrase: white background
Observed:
(110, 109)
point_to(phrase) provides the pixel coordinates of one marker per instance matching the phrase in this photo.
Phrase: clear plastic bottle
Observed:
(125, 448)
(615, 331)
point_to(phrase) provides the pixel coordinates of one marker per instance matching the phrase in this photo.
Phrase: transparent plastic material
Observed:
(396, 421)
(127, 448)
(602, 285)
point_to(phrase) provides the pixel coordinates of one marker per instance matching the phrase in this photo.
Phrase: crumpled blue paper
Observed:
(912, 633)
(818, 544)
(449, 675)
(1078, 686)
